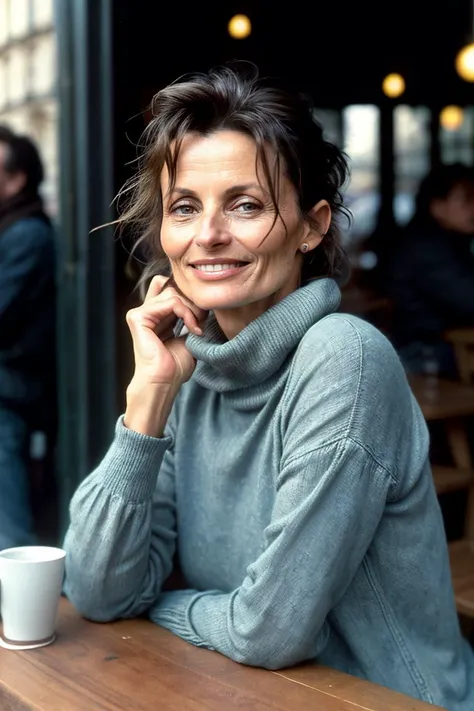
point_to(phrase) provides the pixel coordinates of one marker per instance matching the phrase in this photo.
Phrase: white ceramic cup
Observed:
(31, 579)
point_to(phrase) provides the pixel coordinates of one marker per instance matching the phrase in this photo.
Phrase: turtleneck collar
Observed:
(257, 353)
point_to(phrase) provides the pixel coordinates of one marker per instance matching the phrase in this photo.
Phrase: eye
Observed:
(183, 209)
(247, 207)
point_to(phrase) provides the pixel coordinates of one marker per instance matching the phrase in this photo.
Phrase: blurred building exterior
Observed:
(28, 77)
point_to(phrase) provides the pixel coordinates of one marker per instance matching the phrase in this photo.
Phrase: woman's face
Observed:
(219, 232)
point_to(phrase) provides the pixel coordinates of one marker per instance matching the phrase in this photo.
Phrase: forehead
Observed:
(223, 155)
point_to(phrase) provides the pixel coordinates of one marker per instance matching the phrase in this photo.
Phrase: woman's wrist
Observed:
(148, 407)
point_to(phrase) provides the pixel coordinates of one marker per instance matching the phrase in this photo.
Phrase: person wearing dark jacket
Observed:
(430, 270)
(27, 328)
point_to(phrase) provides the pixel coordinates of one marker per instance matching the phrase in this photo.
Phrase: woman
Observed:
(276, 453)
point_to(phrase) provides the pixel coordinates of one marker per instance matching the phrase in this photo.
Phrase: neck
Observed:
(233, 321)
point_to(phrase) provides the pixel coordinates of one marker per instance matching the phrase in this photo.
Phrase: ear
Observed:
(318, 223)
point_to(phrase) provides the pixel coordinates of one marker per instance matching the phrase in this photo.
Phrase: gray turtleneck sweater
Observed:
(294, 489)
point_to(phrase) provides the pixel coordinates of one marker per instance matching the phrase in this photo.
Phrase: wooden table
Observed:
(134, 665)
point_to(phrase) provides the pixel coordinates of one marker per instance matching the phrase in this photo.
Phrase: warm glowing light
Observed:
(393, 85)
(465, 63)
(451, 118)
(239, 27)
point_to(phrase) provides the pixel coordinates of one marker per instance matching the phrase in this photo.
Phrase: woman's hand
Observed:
(162, 361)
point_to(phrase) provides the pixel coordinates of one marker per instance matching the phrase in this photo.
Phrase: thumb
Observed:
(184, 360)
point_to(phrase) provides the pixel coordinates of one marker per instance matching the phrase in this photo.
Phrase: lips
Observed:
(215, 269)
(218, 267)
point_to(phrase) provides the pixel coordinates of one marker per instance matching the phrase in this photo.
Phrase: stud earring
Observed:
(304, 247)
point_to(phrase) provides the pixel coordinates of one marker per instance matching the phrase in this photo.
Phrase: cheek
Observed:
(173, 243)
(281, 245)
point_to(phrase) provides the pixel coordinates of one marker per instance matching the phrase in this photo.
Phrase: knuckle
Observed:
(159, 279)
(176, 300)
(166, 288)
(131, 316)
(167, 293)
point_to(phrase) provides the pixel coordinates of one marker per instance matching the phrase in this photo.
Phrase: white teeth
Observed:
(215, 267)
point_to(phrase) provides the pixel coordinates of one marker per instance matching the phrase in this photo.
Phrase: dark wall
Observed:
(341, 50)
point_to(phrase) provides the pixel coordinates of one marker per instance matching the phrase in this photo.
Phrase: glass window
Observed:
(17, 74)
(4, 29)
(456, 138)
(43, 66)
(412, 156)
(19, 11)
(44, 123)
(16, 119)
(361, 143)
(43, 13)
(3, 82)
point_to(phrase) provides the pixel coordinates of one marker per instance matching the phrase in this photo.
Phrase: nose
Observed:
(212, 233)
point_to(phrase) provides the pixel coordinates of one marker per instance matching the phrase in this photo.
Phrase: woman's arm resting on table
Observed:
(121, 538)
(314, 545)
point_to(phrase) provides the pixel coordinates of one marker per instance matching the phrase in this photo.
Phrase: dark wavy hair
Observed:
(439, 182)
(22, 157)
(235, 98)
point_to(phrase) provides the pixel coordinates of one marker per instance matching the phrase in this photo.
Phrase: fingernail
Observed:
(198, 331)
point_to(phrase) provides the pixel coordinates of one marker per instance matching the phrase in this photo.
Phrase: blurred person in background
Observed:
(27, 328)
(428, 270)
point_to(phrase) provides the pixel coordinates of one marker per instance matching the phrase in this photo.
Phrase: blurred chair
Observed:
(462, 340)
(368, 305)
(450, 402)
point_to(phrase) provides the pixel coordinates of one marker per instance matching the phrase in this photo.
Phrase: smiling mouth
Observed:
(218, 267)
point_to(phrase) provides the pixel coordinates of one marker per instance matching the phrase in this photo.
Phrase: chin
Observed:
(208, 304)
(219, 299)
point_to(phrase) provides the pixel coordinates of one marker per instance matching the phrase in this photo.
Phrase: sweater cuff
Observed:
(132, 463)
(172, 612)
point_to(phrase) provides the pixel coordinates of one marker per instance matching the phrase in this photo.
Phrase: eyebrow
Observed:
(233, 189)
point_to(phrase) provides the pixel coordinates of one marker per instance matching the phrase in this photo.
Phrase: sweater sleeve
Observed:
(121, 538)
(276, 618)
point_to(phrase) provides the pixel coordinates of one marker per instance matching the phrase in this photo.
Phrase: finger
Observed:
(167, 335)
(170, 292)
(191, 323)
(156, 286)
(163, 283)
(161, 314)
(176, 348)
(187, 315)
